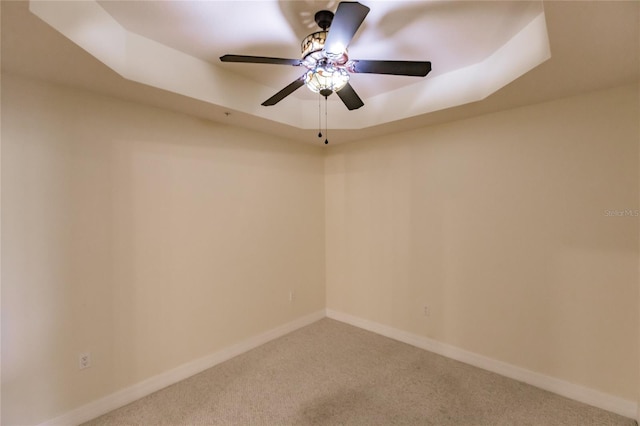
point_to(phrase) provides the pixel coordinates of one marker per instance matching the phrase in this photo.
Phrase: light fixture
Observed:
(326, 79)
(324, 76)
(327, 72)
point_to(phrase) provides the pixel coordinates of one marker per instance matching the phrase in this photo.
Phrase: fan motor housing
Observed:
(313, 43)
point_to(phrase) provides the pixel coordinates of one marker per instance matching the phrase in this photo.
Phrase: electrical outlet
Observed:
(291, 295)
(84, 360)
(426, 311)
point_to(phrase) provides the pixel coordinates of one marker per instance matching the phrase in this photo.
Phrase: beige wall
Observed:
(151, 239)
(146, 237)
(498, 224)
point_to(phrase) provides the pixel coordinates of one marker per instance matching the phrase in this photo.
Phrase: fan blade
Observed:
(260, 60)
(346, 22)
(350, 97)
(412, 68)
(284, 92)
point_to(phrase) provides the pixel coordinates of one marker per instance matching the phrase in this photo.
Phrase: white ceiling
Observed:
(152, 43)
(593, 45)
(452, 35)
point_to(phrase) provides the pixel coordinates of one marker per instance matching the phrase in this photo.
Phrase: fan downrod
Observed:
(324, 18)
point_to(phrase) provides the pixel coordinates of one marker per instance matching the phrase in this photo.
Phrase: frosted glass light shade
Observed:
(326, 77)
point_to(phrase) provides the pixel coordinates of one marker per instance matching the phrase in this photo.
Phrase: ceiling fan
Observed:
(324, 55)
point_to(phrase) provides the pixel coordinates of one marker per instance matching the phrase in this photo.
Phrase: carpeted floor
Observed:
(331, 373)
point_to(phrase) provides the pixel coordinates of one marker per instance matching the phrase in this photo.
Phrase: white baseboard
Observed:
(153, 384)
(579, 393)
(123, 397)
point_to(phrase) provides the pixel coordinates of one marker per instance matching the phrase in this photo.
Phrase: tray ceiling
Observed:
(165, 54)
(475, 49)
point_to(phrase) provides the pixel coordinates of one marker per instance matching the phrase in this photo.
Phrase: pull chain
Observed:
(326, 122)
(319, 118)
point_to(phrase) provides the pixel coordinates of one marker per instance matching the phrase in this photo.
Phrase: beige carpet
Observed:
(330, 373)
